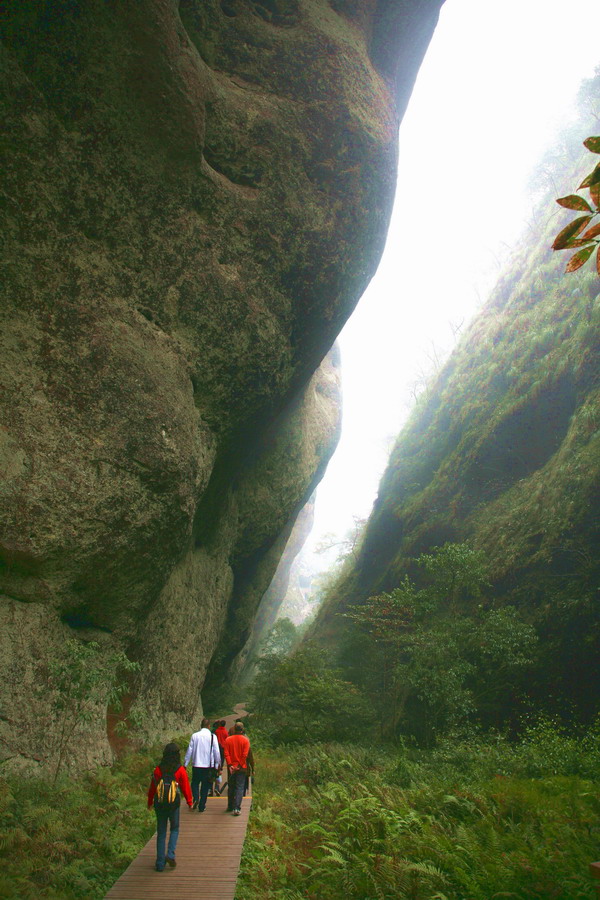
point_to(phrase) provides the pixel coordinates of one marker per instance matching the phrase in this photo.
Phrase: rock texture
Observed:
(276, 593)
(196, 194)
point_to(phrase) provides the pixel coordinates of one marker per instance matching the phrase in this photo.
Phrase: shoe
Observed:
(171, 862)
(201, 809)
(194, 804)
(159, 868)
(237, 812)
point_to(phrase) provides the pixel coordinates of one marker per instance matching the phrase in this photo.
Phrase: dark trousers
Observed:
(200, 778)
(235, 788)
(162, 818)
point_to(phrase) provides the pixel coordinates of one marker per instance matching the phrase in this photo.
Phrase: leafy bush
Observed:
(548, 749)
(301, 698)
(545, 749)
(443, 660)
(581, 232)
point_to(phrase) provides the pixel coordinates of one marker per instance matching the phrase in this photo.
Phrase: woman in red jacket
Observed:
(168, 779)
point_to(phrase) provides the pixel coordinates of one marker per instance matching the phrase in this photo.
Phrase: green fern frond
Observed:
(335, 855)
(424, 868)
(13, 838)
(313, 828)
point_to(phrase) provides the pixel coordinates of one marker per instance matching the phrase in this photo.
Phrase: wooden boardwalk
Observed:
(208, 859)
(208, 856)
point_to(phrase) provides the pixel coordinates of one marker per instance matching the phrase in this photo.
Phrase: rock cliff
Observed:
(275, 595)
(196, 195)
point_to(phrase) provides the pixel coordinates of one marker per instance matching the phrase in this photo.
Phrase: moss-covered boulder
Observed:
(195, 196)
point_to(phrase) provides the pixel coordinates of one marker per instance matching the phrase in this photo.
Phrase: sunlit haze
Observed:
(498, 80)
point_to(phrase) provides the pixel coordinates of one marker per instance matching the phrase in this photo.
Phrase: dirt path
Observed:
(239, 711)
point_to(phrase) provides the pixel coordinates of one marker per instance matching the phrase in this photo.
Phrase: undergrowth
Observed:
(475, 819)
(71, 841)
(472, 820)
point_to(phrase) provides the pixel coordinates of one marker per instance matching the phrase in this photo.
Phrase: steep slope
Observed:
(196, 194)
(503, 450)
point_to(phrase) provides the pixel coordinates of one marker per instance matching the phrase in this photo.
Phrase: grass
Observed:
(474, 819)
(335, 821)
(72, 841)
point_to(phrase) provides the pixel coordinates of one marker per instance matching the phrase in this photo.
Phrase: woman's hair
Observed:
(171, 759)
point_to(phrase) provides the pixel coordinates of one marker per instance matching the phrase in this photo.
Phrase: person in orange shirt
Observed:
(237, 747)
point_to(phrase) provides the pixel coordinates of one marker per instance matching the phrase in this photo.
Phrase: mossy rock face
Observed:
(196, 196)
(276, 594)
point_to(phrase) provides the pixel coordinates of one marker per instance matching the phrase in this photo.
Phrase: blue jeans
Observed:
(200, 777)
(161, 835)
(236, 788)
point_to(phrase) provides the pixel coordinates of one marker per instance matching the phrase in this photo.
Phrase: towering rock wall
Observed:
(274, 597)
(196, 194)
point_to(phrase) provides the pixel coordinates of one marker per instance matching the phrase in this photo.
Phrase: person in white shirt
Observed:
(205, 755)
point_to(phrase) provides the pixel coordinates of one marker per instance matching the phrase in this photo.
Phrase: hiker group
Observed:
(209, 751)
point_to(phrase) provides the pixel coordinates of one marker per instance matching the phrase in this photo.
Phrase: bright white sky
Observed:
(498, 79)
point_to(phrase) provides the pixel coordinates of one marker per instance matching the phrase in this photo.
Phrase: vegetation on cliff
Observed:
(503, 452)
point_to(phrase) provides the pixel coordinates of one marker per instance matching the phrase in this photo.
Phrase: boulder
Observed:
(195, 196)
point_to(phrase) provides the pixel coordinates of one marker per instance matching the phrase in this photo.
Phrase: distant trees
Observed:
(281, 638)
(441, 654)
(581, 233)
(301, 698)
(348, 546)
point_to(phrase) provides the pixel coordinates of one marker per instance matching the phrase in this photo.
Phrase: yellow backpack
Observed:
(167, 796)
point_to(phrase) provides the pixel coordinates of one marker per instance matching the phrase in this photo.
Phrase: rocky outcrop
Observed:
(195, 197)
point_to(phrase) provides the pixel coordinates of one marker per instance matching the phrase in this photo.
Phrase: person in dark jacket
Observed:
(169, 766)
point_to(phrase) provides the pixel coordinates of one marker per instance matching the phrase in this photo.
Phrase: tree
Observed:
(281, 638)
(300, 697)
(581, 233)
(348, 545)
(443, 656)
(85, 681)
